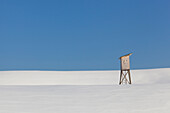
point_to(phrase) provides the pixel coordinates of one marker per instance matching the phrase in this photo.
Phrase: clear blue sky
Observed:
(83, 34)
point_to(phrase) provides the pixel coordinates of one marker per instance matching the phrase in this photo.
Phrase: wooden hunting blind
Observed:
(125, 69)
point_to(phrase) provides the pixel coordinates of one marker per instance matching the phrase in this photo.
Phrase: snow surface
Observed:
(84, 92)
(148, 76)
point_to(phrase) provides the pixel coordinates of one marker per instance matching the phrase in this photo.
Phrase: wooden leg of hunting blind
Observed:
(120, 77)
(129, 77)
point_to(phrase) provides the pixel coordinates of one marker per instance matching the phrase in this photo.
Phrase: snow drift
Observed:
(146, 76)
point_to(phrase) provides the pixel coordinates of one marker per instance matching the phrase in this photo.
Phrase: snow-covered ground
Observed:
(84, 92)
(148, 76)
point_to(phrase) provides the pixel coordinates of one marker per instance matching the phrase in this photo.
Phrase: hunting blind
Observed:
(125, 69)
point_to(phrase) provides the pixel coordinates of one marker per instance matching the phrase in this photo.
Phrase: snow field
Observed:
(84, 92)
(148, 76)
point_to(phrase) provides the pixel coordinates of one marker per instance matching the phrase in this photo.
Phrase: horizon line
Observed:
(78, 69)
